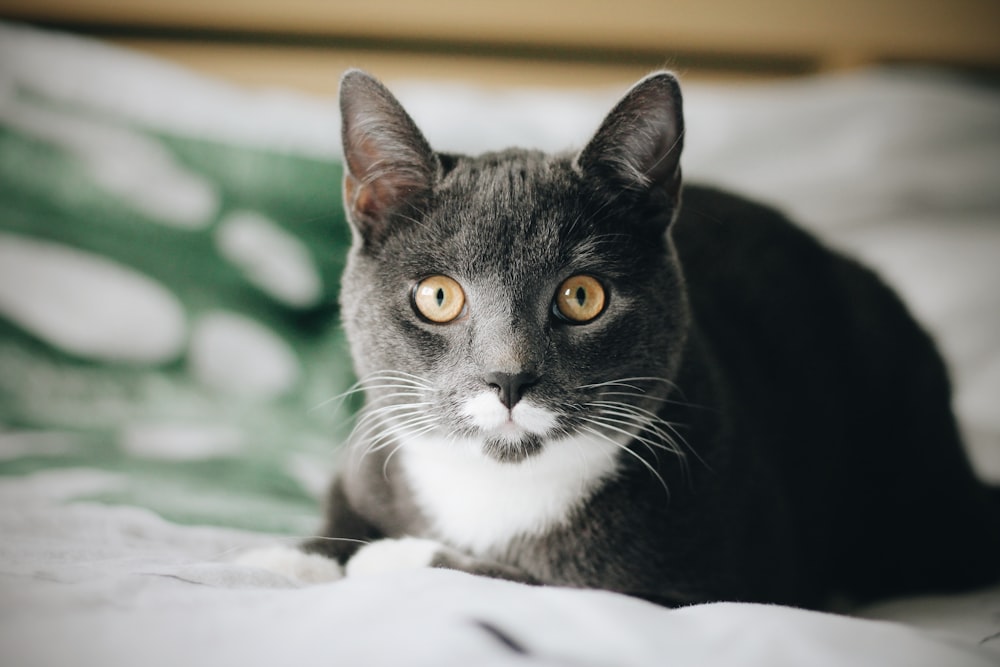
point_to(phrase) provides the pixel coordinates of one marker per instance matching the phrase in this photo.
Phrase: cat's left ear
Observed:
(638, 146)
(390, 166)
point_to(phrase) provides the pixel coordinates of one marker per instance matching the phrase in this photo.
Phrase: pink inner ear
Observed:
(376, 182)
(361, 180)
(358, 197)
(372, 197)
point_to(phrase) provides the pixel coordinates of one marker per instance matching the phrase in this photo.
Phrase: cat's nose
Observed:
(510, 385)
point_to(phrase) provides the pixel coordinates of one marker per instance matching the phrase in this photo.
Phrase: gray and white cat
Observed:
(573, 378)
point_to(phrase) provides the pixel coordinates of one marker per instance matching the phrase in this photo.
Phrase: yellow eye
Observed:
(438, 299)
(580, 299)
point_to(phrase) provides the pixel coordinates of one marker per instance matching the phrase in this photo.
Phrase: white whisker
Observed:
(644, 462)
(395, 430)
(649, 418)
(650, 445)
(370, 414)
(387, 380)
(647, 397)
(390, 427)
(653, 424)
(403, 443)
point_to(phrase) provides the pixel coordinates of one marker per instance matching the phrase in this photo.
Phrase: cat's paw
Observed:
(292, 563)
(393, 555)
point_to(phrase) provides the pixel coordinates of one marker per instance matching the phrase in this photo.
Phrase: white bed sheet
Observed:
(95, 585)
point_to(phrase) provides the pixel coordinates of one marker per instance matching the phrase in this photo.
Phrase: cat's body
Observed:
(719, 409)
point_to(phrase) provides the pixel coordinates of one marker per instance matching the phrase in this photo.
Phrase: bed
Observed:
(170, 360)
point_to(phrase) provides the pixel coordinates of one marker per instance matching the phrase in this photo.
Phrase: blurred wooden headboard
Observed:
(305, 43)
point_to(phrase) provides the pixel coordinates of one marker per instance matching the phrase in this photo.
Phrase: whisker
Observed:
(630, 383)
(624, 448)
(325, 538)
(416, 379)
(389, 435)
(399, 380)
(642, 425)
(655, 425)
(626, 410)
(663, 440)
(650, 445)
(612, 384)
(385, 464)
(403, 443)
(370, 413)
(376, 413)
(647, 397)
(368, 444)
(414, 417)
(672, 427)
(626, 380)
(223, 555)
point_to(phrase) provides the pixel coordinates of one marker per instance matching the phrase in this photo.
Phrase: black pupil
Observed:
(439, 296)
(581, 296)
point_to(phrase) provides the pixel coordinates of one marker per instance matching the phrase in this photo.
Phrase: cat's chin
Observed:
(512, 450)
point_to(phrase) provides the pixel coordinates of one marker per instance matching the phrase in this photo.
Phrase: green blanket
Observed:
(168, 315)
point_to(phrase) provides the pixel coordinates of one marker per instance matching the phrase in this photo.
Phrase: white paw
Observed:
(405, 553)
(294, 564)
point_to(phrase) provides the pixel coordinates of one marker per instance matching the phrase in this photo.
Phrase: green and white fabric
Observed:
(167, 288)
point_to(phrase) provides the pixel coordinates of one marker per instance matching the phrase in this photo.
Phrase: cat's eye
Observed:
(580, 299)
(438, 299)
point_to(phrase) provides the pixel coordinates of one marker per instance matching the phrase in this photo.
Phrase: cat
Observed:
(580, 371)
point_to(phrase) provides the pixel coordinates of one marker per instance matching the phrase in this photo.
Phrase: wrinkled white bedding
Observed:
(93, 585)
(901, 167)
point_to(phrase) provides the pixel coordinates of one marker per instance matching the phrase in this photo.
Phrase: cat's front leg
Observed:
(345, 530)
(320, 558)
(292, 563)
(409, 553)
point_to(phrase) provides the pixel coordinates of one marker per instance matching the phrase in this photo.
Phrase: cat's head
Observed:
(514, 300)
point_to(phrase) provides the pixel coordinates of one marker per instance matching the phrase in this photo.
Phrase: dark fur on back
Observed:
(806, 445)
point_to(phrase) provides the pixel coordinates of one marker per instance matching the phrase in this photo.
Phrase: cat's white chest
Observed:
(478, 504)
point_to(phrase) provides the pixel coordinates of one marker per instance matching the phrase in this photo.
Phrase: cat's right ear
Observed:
(638, 146)
(390, 167)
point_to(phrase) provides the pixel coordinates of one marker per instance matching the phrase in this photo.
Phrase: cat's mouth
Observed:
(512, 450)
(511, 434)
